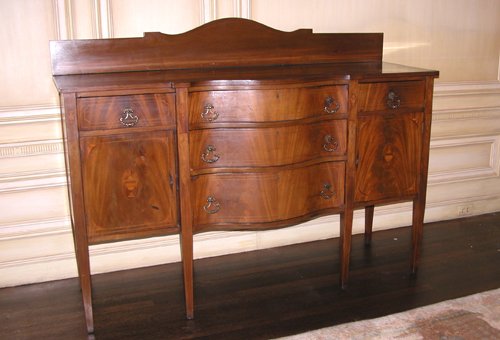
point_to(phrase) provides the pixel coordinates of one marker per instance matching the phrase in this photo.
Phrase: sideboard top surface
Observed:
(242, 77)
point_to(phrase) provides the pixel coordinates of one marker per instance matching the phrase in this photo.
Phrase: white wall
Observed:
(461, 38)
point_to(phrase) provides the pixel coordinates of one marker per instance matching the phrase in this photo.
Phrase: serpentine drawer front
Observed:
(251, 129)
(270, 146)
(266, 105)
(238, 200)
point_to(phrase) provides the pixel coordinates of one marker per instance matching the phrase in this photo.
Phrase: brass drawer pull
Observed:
(212, 206)
(330, 144)
(128, 118)
(331, 105)
(393, 100)
(327, 192)
(209, 155)
(209, 115)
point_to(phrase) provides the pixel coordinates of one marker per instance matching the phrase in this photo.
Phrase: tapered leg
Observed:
(83, 263)
(73, 166)
(417, 233)
(368, 224)
(187, 266)
(86, 285)
(345, 246)
(181, 102)
(419, 201)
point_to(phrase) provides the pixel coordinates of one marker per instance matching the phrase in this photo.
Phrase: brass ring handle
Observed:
(330, 144)
(331, 105)
(212, 206)
(209, 155)
(327, 192)
(393, 100)
(209, 115)
(128, 118)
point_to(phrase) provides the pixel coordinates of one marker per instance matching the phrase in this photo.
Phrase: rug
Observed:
(472, 317)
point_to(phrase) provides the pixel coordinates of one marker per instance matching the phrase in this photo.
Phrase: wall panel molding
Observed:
(208, 11)
(452, 98)
(30, 114)
(63, 14)
(465, 168)
(33, 182)
(27, 162)
(243, 8)
(465, 114)
(35, 229)
(34, 148)
(103, 18)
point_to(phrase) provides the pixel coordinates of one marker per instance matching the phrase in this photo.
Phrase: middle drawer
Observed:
(258, 147)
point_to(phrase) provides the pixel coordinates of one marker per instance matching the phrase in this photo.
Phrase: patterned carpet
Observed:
(471, 317)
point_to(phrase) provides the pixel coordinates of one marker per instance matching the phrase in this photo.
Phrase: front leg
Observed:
(417, 233)
(369, 210)
(345, 246)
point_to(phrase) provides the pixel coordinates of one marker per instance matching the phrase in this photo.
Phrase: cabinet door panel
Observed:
(128, 183)
(389, 149)
(266, 197)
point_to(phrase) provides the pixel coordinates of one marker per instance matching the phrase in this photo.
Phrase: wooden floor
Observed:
(266, 294)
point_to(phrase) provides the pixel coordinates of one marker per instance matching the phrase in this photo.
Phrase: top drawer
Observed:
(391, 96)
(266, 105)
(113, 112)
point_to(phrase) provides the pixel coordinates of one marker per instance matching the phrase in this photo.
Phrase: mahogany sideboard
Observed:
(237, 126)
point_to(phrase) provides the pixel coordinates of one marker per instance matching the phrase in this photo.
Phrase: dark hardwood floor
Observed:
(268, 293)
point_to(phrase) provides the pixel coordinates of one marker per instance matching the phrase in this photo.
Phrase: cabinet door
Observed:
(388, 155)
(128, 183)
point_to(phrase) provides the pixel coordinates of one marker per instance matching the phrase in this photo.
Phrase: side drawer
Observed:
(266, 197)
(391, 96)
(251, 147)
(113, 112)
(266, 105)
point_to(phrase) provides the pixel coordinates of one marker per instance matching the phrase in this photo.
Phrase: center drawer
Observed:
(113, 112)
(257, 147)
(209, 107)
(266, 197)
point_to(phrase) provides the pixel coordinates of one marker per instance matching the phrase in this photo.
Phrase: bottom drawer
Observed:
(222, 201)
